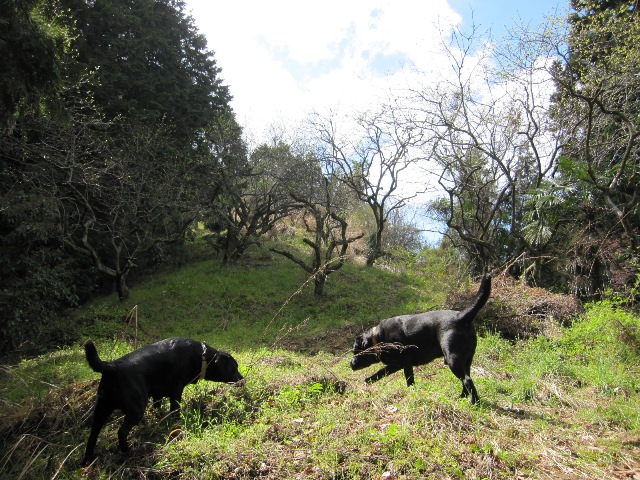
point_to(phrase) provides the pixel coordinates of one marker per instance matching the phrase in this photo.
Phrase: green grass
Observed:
(561, 407)
(247, 306)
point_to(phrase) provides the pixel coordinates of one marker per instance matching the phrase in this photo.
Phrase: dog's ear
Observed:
(359, 343)
(224, 362)
(218, 359)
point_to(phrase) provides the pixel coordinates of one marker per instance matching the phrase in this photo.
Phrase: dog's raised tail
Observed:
(93, 358)
(481, 298)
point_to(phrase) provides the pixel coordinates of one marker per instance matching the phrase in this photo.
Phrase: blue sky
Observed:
(283, 59)
(501, 13)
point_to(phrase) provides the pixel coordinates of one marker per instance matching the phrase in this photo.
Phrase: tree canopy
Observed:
(106, 166)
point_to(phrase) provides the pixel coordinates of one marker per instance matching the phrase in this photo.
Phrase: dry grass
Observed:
(516, 310)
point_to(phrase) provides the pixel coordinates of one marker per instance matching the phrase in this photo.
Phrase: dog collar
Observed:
(203, 368)
(374, 339)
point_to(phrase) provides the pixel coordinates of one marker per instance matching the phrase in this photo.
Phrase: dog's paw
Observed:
(124, 447)
(88, 462)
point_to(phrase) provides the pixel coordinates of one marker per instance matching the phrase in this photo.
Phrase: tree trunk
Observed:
(375, 248)
(319, 281)
(121, 286)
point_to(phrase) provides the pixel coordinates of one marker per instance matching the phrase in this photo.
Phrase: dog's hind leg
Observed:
(408, 374)
(468, 384)
(468, 388)
(101, 414)
(383, 372)
(175, 399)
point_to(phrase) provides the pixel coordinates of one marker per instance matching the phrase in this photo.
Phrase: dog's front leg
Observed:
(175, 399)
(408, 375)
(383, 372)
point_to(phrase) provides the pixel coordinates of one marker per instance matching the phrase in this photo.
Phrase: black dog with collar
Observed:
(410, 340)
(155, 371)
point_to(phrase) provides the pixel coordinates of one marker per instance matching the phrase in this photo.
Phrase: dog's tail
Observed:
(470, 313)
(95, 363)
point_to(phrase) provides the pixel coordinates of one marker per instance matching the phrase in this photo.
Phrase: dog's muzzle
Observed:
(363, 360)
(354, 364)
(363, 356)
(239, 383)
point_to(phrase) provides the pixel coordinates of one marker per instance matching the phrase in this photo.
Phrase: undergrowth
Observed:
(565, 406)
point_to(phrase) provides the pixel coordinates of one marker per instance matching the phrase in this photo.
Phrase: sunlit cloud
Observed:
(284, 59)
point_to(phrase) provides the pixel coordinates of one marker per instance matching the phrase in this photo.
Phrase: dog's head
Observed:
(222, 367)
(364, 351)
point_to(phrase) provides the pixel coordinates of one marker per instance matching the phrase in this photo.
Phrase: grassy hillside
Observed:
(561, 407)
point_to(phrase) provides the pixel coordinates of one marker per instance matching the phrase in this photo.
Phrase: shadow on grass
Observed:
(522, 414)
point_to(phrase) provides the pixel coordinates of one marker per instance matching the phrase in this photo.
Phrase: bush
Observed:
(517, 311)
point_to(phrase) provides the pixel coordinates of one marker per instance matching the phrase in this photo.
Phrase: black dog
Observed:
(159, 370)
(410, 340)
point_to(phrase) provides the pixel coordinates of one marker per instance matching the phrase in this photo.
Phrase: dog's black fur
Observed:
(156, 371)
(410, 340)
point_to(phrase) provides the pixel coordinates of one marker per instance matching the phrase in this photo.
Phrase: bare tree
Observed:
(115, 204)
(596, 107)
(370, 160)
(254, 195)
(490, 143)
(327, 227)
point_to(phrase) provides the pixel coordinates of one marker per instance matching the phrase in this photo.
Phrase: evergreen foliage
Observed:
(105, 167)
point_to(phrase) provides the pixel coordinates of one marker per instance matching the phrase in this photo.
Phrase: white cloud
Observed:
(285, 58)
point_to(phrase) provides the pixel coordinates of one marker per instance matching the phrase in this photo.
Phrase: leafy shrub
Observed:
(606, 331)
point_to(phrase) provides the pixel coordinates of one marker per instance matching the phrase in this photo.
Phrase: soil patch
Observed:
(337, 341)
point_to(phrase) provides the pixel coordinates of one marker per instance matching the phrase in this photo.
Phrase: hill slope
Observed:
(561, 407)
